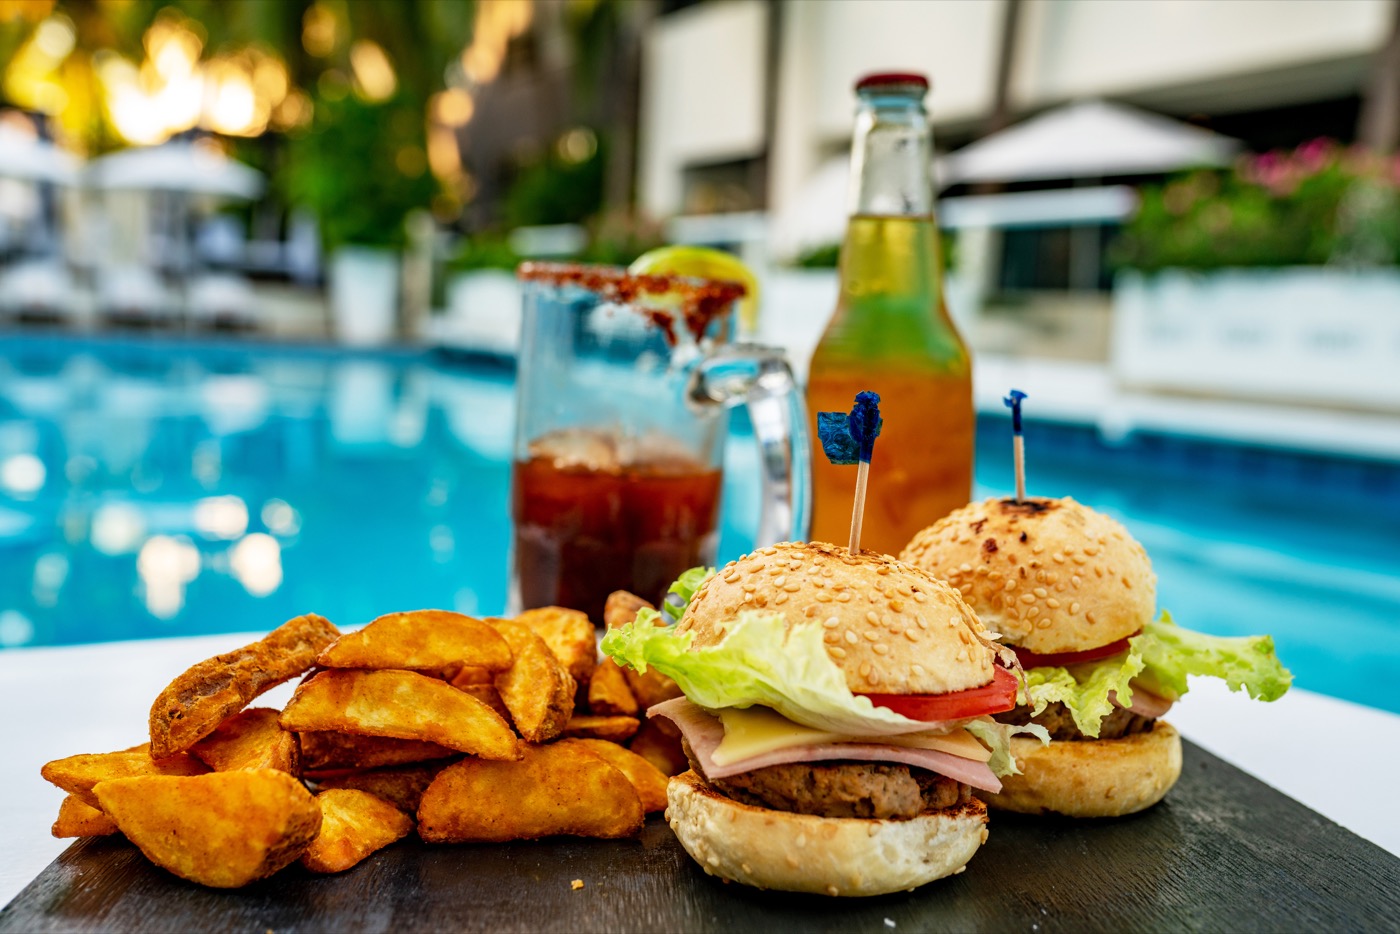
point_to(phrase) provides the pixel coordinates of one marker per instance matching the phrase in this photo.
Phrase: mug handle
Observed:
(760, 378)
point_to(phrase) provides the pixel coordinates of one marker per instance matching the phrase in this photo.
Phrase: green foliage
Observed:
(356, 169)
(1318, 204)
(820, 257)
(484, 251)
(556, 190)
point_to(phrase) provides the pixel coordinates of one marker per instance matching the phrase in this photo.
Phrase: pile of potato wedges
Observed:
(463, 729)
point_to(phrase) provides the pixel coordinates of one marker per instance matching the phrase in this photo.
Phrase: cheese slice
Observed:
(754, 731)
(957, 743)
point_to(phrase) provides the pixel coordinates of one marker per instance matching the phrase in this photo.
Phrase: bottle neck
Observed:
(891, 156)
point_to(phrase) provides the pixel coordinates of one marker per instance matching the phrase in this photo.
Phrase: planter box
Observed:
(482, 314)
(1302, 335)
(364, 295)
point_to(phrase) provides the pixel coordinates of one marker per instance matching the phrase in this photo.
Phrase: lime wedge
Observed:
(702, 262)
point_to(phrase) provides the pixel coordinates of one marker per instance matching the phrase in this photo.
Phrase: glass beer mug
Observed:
(622, 396)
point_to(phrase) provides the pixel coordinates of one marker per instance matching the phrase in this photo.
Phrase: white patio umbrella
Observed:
(26, 157)
(1090, 139)
(178, 166)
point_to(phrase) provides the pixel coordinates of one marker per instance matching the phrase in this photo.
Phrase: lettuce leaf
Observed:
(684, 587)
(1159, 660)
(996, 736)
(1084, 690)
(762, 662)
(759, 662)
(1170, 653)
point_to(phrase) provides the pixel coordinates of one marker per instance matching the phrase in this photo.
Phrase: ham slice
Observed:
(1145, 703)
(704, 732)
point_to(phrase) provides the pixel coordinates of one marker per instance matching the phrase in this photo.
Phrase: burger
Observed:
(836, 715)
(1075, 596)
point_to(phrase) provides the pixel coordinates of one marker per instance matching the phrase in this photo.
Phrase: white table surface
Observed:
(1334, 756)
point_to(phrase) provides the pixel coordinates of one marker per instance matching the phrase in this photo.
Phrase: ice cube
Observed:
(578, 448)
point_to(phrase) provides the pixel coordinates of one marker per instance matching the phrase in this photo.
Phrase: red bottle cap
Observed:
(886, 78)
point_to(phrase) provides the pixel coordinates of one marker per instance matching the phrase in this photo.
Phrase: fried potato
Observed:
(536, 689)
(612, 729)
(195, 703)
(76, 819)
(429, 640)
(557, 789)
(469, 674)
(250, 739)
(659, 748)
(78, 774)
(353, 825)
(400, 705)
(622, 607)
(488, 695)
(608, 692)
(224, 829)
(402, 787)
(323, 750)
(569, 634)
(645, 777)
(650, 688)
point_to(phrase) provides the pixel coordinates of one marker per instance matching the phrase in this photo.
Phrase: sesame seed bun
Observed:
(1050, 575)
(890, 627)
(1091, 778)
(822, 855)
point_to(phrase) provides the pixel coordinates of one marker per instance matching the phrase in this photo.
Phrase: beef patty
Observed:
(842, 789)
(1060, 724)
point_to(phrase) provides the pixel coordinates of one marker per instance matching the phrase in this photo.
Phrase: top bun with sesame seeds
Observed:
(1050, 575)
(891, 627)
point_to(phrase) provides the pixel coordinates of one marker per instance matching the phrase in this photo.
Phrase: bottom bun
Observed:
(1091, 778)
(823, 855)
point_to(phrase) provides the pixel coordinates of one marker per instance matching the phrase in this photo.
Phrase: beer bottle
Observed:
(891, 333)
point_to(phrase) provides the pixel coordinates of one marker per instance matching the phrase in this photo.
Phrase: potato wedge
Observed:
(621, 608)
(609, 693)
(224, 829)
(427, 640)
(469, 674)
(569, 634)
(402, 787)
(76, 819)
(324, 750)
(645, 777)
(195, 703)
(78, 774)
(250, 739)
(551, 790)
(536, 689)
(353, 825)
(399, 705)
(652, 687)
(611, 729)
(488, 695)
(659, 748)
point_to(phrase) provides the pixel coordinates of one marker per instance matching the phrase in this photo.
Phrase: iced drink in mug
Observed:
(623, 391)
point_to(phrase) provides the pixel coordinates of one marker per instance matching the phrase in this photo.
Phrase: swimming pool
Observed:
(158, 487)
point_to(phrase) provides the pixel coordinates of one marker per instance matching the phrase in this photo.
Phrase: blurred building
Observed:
(745, 100)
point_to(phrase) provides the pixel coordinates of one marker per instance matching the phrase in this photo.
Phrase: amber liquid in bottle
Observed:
(891, 333)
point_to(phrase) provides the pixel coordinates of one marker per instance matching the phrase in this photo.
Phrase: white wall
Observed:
(703, 89)
(1083, 48)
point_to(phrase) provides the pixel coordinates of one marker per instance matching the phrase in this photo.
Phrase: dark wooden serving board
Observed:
(1223, 852)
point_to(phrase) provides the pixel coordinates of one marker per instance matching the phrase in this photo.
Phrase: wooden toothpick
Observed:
(849, 438)
(1018, 443)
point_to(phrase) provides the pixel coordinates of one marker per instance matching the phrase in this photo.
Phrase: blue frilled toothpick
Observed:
(849, 438)
(1013, 402)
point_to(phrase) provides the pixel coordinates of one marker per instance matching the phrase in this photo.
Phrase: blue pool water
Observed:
(153, 488)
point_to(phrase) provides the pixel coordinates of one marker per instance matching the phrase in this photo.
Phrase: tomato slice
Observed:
(1065, 659)
(994, 697)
